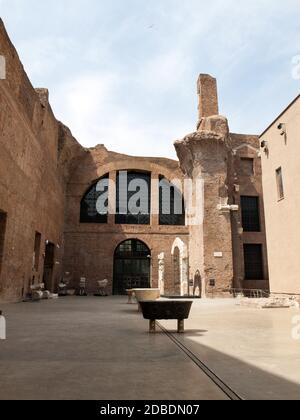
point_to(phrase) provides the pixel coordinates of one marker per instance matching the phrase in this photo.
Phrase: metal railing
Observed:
(251, 293)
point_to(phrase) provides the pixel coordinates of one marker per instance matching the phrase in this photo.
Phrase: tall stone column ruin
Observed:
(203, 157)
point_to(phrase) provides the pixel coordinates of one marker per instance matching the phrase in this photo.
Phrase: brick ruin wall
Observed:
(35, 148)
(44, 173)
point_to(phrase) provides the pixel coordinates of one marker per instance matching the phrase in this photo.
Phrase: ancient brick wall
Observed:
(243, 183)
(32, 189)
(44, 174)
(215, 156)
(208, 96)
(90, 248)
(210, 240)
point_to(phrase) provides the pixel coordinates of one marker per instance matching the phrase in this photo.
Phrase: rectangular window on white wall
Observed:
(280, 187)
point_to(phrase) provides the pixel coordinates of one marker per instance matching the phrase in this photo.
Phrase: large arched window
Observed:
(94, 204)
(171, 204)
(133, 198)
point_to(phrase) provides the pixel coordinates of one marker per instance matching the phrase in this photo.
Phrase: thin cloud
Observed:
(114, 81)
(97, 119)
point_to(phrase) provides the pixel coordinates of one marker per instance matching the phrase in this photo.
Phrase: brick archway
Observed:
(180, 267)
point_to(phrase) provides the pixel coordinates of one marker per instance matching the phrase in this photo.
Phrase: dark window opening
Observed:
(133, 198)
(247, 166)
(94, 205)
(37, 250)
(250, 214)
(171, 204)
(253, 259)
(279, 180)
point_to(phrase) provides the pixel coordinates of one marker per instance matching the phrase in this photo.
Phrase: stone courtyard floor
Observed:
(99, 348)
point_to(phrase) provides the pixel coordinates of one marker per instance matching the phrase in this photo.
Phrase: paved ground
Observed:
(91, 348)
(252, 350)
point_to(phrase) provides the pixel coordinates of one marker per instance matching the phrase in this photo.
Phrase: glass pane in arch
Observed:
(132, 248)
(88, 206)
(124, 216)
(171, 204)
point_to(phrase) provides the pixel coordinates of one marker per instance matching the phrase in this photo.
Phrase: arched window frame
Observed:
(91, 215)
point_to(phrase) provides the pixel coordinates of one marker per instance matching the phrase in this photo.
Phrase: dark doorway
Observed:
(132, 261)
(37, 250)
(3, 217)
(253, 258)
(49, 266)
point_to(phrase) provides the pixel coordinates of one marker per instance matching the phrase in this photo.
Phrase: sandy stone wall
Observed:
(283, 221)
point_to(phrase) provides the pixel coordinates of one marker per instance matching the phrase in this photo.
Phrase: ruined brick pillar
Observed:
(208, 96)
(203, 157)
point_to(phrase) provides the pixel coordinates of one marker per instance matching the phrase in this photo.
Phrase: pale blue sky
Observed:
(123, 72)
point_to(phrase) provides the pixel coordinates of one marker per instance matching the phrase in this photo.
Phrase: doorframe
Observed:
(149, 258)
(51, 277)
